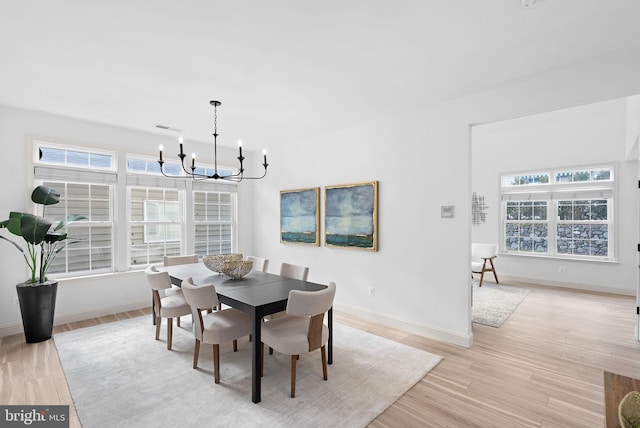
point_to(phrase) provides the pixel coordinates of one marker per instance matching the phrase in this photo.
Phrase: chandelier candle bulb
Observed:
(193, 161)
(181, 140)
(161, 148)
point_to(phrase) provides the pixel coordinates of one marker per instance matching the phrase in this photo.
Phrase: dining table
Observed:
(258, 294)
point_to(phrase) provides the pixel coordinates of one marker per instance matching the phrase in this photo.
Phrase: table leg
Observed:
(255, 357)
(330, 324)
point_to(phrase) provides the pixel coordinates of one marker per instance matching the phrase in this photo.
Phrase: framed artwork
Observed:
(351, 216)
(300, 216)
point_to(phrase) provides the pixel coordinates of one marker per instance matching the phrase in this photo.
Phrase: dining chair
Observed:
(178, 260)
(213, 328)
(259, 263)
(167, 306)
(481, 254)
(302, 330)
(290, 271)
(294, 271)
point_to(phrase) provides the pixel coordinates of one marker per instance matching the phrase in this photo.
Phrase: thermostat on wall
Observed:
(446, 211)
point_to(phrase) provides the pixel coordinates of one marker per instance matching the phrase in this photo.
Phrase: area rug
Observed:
(492, 304)
(120, 376)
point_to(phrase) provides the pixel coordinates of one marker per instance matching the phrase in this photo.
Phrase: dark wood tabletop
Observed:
(615, 388)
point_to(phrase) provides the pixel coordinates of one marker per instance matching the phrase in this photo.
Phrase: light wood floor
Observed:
(542, 368)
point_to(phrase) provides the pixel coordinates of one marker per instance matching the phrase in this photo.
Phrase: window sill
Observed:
(557, 257)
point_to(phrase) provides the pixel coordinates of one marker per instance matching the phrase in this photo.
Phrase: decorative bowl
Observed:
(214, 262)
(629, 410)
(237, 268)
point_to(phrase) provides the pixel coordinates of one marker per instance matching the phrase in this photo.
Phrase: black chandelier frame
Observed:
(191, 172)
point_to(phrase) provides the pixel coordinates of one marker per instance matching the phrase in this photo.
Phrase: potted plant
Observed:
(37, 295)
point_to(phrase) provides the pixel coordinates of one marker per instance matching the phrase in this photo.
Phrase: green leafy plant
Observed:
(43, 240)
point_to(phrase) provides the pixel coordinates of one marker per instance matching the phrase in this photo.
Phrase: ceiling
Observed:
(285, 69)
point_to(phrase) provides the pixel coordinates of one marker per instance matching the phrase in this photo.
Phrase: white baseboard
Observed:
(517, 280)
(409, 327)
(79, 316)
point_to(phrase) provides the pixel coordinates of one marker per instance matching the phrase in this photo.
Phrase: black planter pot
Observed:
(37, 307)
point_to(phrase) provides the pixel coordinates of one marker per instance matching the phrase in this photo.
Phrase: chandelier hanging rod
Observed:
(239, 176)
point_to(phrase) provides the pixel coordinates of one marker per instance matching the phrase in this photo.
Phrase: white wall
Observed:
(633, 128)
(586, 135)
(412, 291)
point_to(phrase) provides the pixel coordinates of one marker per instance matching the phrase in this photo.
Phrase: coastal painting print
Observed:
(351, 216)
(300, 216)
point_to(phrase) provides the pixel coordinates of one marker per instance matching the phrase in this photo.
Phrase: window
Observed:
(214, 221)
(526, 226)
(155, 224)
(564, 213)
(81, 158)
(161, 216)
(93, 250)
(148, 166)
(583, 227)
(85, 180)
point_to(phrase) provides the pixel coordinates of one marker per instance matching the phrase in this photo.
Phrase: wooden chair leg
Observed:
(196, 353)
(158, 322)
(293, 375)
(323, 352)
(178, 321)
(216, 363)
(169, 332)
(235, 345)
(270, 350)
(484, 265)
(493, 268)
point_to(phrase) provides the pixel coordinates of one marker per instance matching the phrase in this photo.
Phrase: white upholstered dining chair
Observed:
(213, 328)
(482, 256)
(170, 306)
(259, 263)
(302, 330)
(294, 271)
(178, 260)
(290, 271)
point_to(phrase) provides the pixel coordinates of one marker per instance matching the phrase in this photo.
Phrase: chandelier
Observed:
(191, 172)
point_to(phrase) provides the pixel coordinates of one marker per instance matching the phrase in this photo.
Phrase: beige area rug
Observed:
(119, 376)
(493, 304)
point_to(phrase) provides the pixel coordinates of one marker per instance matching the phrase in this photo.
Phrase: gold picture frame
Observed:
(351, 216)
(300, 216)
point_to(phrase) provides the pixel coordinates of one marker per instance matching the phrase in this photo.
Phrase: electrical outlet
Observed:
(372, 291)
(15, 302)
